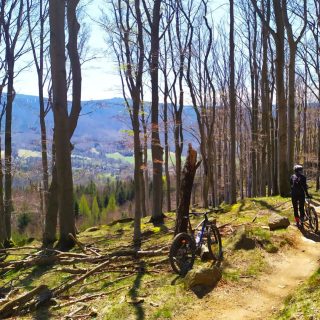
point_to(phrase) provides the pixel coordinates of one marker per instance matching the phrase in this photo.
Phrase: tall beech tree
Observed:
(293, 42)
(13, 19)
(232, 102)
(64, 124)
(199, 77)
(37, 16)
(130, 57)
(153, 16)
(3, 225)
(279, 38)
(4, 76)
(74, 79)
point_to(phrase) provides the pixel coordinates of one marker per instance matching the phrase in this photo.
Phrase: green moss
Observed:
(163, 313)
(271, 248)
(231, 274)
(260, 234)
(304, 303)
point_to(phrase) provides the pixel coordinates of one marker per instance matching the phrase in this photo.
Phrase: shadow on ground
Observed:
(133, 292)
(267, 205)
(42, 313)
(202, 291)
(310, 235)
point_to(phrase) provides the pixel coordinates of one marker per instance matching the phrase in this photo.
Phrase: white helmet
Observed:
(298, 168)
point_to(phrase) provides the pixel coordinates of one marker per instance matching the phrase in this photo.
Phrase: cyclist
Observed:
(299, 189)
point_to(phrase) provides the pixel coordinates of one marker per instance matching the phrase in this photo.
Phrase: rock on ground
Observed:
(206, 276)
(278, 222)
(241, 240)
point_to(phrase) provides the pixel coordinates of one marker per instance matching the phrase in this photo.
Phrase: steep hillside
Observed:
(102, 280)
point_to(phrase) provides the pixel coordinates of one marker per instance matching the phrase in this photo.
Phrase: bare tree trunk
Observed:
(72, 46)
(44, 153)
(50, 227)
(136, 129)
(254, 102)
(178, 151)
(12, 22)
(144, 164)
(318, 157)
(61, 121)
(39, 63)
(232, 101)
(293, 44)
(291, 104)
(3, 229)
(156, 148)
(8, 207)
(265, 154)
(178, 136)
(166, 143)
(146, 171)
(137, 171)
(165, 113)
(188, 174)
(283, 170)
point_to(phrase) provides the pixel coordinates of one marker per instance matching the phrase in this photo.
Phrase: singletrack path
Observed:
(260, 298)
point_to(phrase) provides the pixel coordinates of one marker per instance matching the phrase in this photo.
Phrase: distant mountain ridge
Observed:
(101, 126)
(100, 122)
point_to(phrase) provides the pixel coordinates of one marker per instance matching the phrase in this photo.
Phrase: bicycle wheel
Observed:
(214, 242)
(182, 253)
(313, 219)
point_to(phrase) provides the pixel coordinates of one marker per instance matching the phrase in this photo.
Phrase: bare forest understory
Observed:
(250, 71)
(104, 277)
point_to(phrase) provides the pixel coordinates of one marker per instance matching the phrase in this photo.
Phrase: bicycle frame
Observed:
(307, 206)
(185, 245)
(203, 223)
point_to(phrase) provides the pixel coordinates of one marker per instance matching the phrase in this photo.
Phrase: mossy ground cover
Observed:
(304, 303)
(151, 290)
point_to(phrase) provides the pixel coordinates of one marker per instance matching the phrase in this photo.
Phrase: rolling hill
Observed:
(102, 145)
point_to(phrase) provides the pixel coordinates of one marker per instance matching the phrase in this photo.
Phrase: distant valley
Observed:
(102, 145)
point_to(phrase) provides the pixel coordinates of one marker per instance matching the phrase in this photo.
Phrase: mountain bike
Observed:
(311, 216)
(185, 244)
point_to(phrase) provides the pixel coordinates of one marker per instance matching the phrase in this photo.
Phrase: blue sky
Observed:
(100, 76)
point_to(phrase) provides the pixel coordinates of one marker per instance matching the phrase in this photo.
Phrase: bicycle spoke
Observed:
(182, 253)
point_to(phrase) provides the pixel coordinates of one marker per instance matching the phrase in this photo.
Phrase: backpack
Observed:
(296, 186)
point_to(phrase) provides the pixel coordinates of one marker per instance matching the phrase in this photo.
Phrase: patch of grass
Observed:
(163, 313)
(259, 233)
(230, 274)
(120, 157)
(243, 263)
(271, 248)
(235, 208)
(19, 239)
(161, 298)
(162, 291)
(305, 303)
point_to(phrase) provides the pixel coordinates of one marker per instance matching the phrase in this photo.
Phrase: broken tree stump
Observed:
(188, 173)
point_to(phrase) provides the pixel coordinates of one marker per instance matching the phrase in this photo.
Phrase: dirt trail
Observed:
(264, 296)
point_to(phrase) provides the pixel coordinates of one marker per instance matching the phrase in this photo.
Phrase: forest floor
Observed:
(276, 279)
(263, 297)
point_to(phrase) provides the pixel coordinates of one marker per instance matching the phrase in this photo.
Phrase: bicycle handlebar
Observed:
(201, 213)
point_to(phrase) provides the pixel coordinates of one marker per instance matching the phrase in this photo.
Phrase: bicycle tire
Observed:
(313, 219)
(214, 242)
(182, 253)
